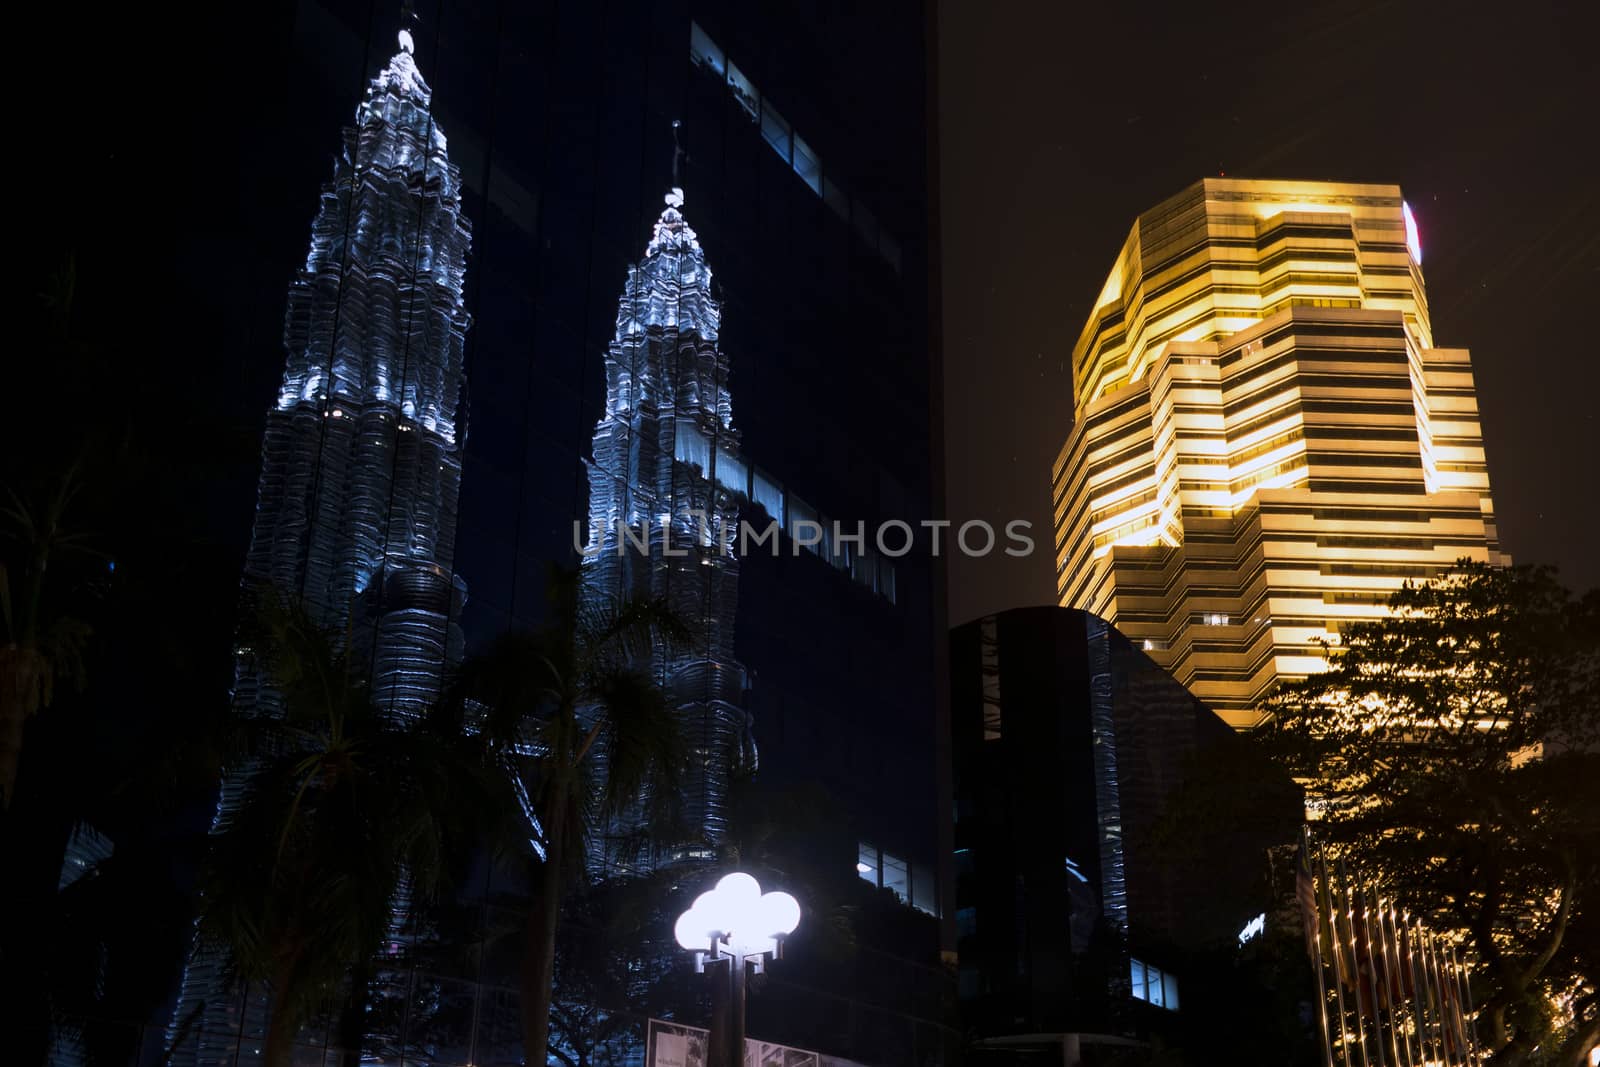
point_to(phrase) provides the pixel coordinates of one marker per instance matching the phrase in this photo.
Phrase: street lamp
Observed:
(738, 923)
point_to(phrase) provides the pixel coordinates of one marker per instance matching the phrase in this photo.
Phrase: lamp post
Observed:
(738, 923)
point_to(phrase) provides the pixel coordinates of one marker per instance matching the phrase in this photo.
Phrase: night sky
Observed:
(1061, 122)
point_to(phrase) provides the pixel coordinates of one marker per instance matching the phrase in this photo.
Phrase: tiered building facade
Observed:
(361, 459)
(1266, 442)
(663, 521)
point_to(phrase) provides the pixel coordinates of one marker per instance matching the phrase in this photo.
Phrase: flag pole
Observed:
(1392, 919)
(1316, 938)
(1315, 918)
(1469, 1020)
(1338, 956)
(1356, 943)
(1391, 936)
(1452, 1005)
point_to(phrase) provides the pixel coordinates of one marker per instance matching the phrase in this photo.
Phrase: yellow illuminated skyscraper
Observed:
(1265, 441)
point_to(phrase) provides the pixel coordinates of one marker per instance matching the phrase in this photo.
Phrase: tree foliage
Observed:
(345, 811)
(1453, 748)
(572, 713)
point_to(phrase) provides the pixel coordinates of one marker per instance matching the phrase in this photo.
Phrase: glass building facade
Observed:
(1070, 745)
(806, 176)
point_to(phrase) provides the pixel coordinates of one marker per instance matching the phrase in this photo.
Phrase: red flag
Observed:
(1305, 891)
(1369, 974)
(1407, 969)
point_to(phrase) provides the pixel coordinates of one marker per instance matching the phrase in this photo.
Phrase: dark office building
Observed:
(1076, 912)
(806, 173)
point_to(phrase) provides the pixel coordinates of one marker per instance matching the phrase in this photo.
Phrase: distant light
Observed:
(1413, 238)
(864, 868)
(1254, 928)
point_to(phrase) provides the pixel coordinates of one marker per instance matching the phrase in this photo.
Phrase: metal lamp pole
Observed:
(737, 923)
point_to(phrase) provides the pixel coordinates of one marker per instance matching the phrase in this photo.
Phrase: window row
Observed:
(847, 549)
(1154, 985)
(913, 883)
(787, 142)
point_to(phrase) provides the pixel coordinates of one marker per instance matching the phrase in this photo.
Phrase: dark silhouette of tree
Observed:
(1454, 748)
(345, 813)
(588, 736)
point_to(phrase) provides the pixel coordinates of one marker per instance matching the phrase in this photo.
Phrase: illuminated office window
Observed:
(775, 128)
(886, 584)
(807, 165)
(689, 445)
(705, 51)
(777, 132)
(732, 474)
(744, 92)
(867, 862)
(1153, 985)
(896, 876)
(765, 492)
(923, 889)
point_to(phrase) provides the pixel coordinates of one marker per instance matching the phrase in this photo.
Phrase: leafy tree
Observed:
(343, 810)
(42, 635)
(1454, 747)
(591, 741)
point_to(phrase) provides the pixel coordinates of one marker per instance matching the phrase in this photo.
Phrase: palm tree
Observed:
(341, 803)
(591, 740)
(41, 640)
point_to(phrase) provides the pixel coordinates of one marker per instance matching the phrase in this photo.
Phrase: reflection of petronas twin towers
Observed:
(663, 451)
(361, 459)
(362, 455)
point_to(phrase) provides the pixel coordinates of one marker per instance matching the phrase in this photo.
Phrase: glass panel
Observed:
(1169, 991)
(807, 165)
(703, 50)
(1153, 985)
(862, 567)
(776, 130)
(835, 198)
(765, 491)
(689, 445)
(889, 249)
(866, 223)
(744, 92)
(800, 511)
(732, 473)
(923, 890)
(1136, 971)
(896, 877)
(867, 862)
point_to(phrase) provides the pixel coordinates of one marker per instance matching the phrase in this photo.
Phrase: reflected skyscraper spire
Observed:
(361, 459)
(663, 522)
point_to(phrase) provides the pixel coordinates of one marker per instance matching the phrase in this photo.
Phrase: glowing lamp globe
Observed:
(738, 918)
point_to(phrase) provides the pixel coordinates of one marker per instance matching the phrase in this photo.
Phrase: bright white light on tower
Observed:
(1413, 238)
(738, 915)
